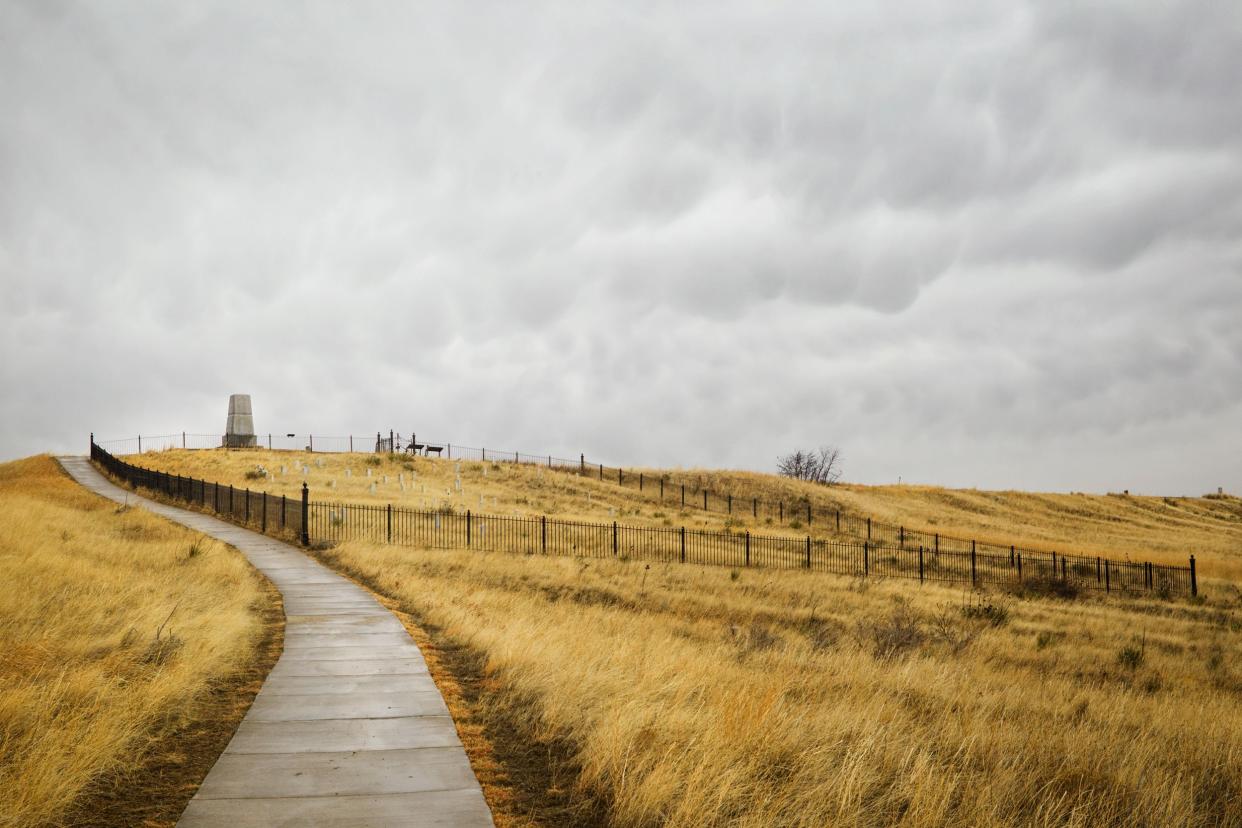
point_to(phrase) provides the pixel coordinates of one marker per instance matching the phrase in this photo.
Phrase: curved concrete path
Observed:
(349, 728)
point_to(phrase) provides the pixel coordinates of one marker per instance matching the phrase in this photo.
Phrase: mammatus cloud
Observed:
(984, 244)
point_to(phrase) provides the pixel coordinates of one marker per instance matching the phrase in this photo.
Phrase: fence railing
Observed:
(683, 490)
(447, 528)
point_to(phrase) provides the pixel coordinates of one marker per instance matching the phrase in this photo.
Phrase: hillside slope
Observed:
(1165, 530)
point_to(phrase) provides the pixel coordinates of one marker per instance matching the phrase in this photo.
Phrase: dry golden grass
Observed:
(695, 696)
(115, 626)
(1164, 530)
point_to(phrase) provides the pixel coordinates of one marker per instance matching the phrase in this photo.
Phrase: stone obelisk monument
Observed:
(239, 432)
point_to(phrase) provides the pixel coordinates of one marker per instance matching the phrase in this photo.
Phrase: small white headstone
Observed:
(282, 469)
(305, 470)
(348, 472)
(372, 488)
(368, 472)
(385, 478)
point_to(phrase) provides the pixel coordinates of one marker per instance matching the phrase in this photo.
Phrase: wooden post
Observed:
(614, 539)
(868, 528)
(140, 444)
(661, 488)
(808, 513)
(1194, 581)
(838, 520)
(782, 511)
(468, 527)
(543, 533)
(754, 508)
(973, 575)
(1099, 576)
(264, 511)
(183, 440)
(311, 443)
(390, 523)
(305, 515)
(937, 544)
(730, 504)
(582, 464)
(866, 559)
(683, 495)
(247, 507)
(901, 536)
(748, 547)
(619, 476)
(683, 542)
(808, 551)
(601, 471)
(284, 512)
(1107, 584)
(1011, 556)
(920, 564)
(351, 443)
(1019, 567)
(640, 481)
(705, 500)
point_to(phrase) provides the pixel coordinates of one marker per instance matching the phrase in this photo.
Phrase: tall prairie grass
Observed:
(691, 696)
(114, 625)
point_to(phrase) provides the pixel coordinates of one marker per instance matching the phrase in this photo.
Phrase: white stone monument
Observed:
(239, 431)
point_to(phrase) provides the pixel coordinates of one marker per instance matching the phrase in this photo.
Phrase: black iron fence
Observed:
(689, 490)
(878, 555)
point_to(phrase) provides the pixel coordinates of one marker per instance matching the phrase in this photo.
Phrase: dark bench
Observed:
(430, 449)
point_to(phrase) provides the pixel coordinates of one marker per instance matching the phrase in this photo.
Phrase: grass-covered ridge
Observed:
(1164, 530)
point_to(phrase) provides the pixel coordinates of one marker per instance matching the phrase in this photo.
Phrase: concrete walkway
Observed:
(349, 728)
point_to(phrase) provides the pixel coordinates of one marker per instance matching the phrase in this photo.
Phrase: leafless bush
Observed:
(822, 466)
(891, 636)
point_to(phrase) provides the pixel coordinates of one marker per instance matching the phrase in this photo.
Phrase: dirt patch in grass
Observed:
(155, 795)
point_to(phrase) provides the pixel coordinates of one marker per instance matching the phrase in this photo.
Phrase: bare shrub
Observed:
(822, 466)
(891, 636)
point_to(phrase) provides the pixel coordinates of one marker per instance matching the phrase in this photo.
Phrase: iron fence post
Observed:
(683, 543)
(468, 529)
(389, 523)
(543, 533)
(1194, 580)
(748, 547)
(305, 515)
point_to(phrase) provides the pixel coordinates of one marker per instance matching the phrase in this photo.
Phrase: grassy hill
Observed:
(129, 649)
(1165, 530)
(620, 692)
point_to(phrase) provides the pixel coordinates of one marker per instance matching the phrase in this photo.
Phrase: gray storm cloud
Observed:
(974, 244)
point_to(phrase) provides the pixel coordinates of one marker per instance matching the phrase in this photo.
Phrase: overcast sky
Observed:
(989, 244)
